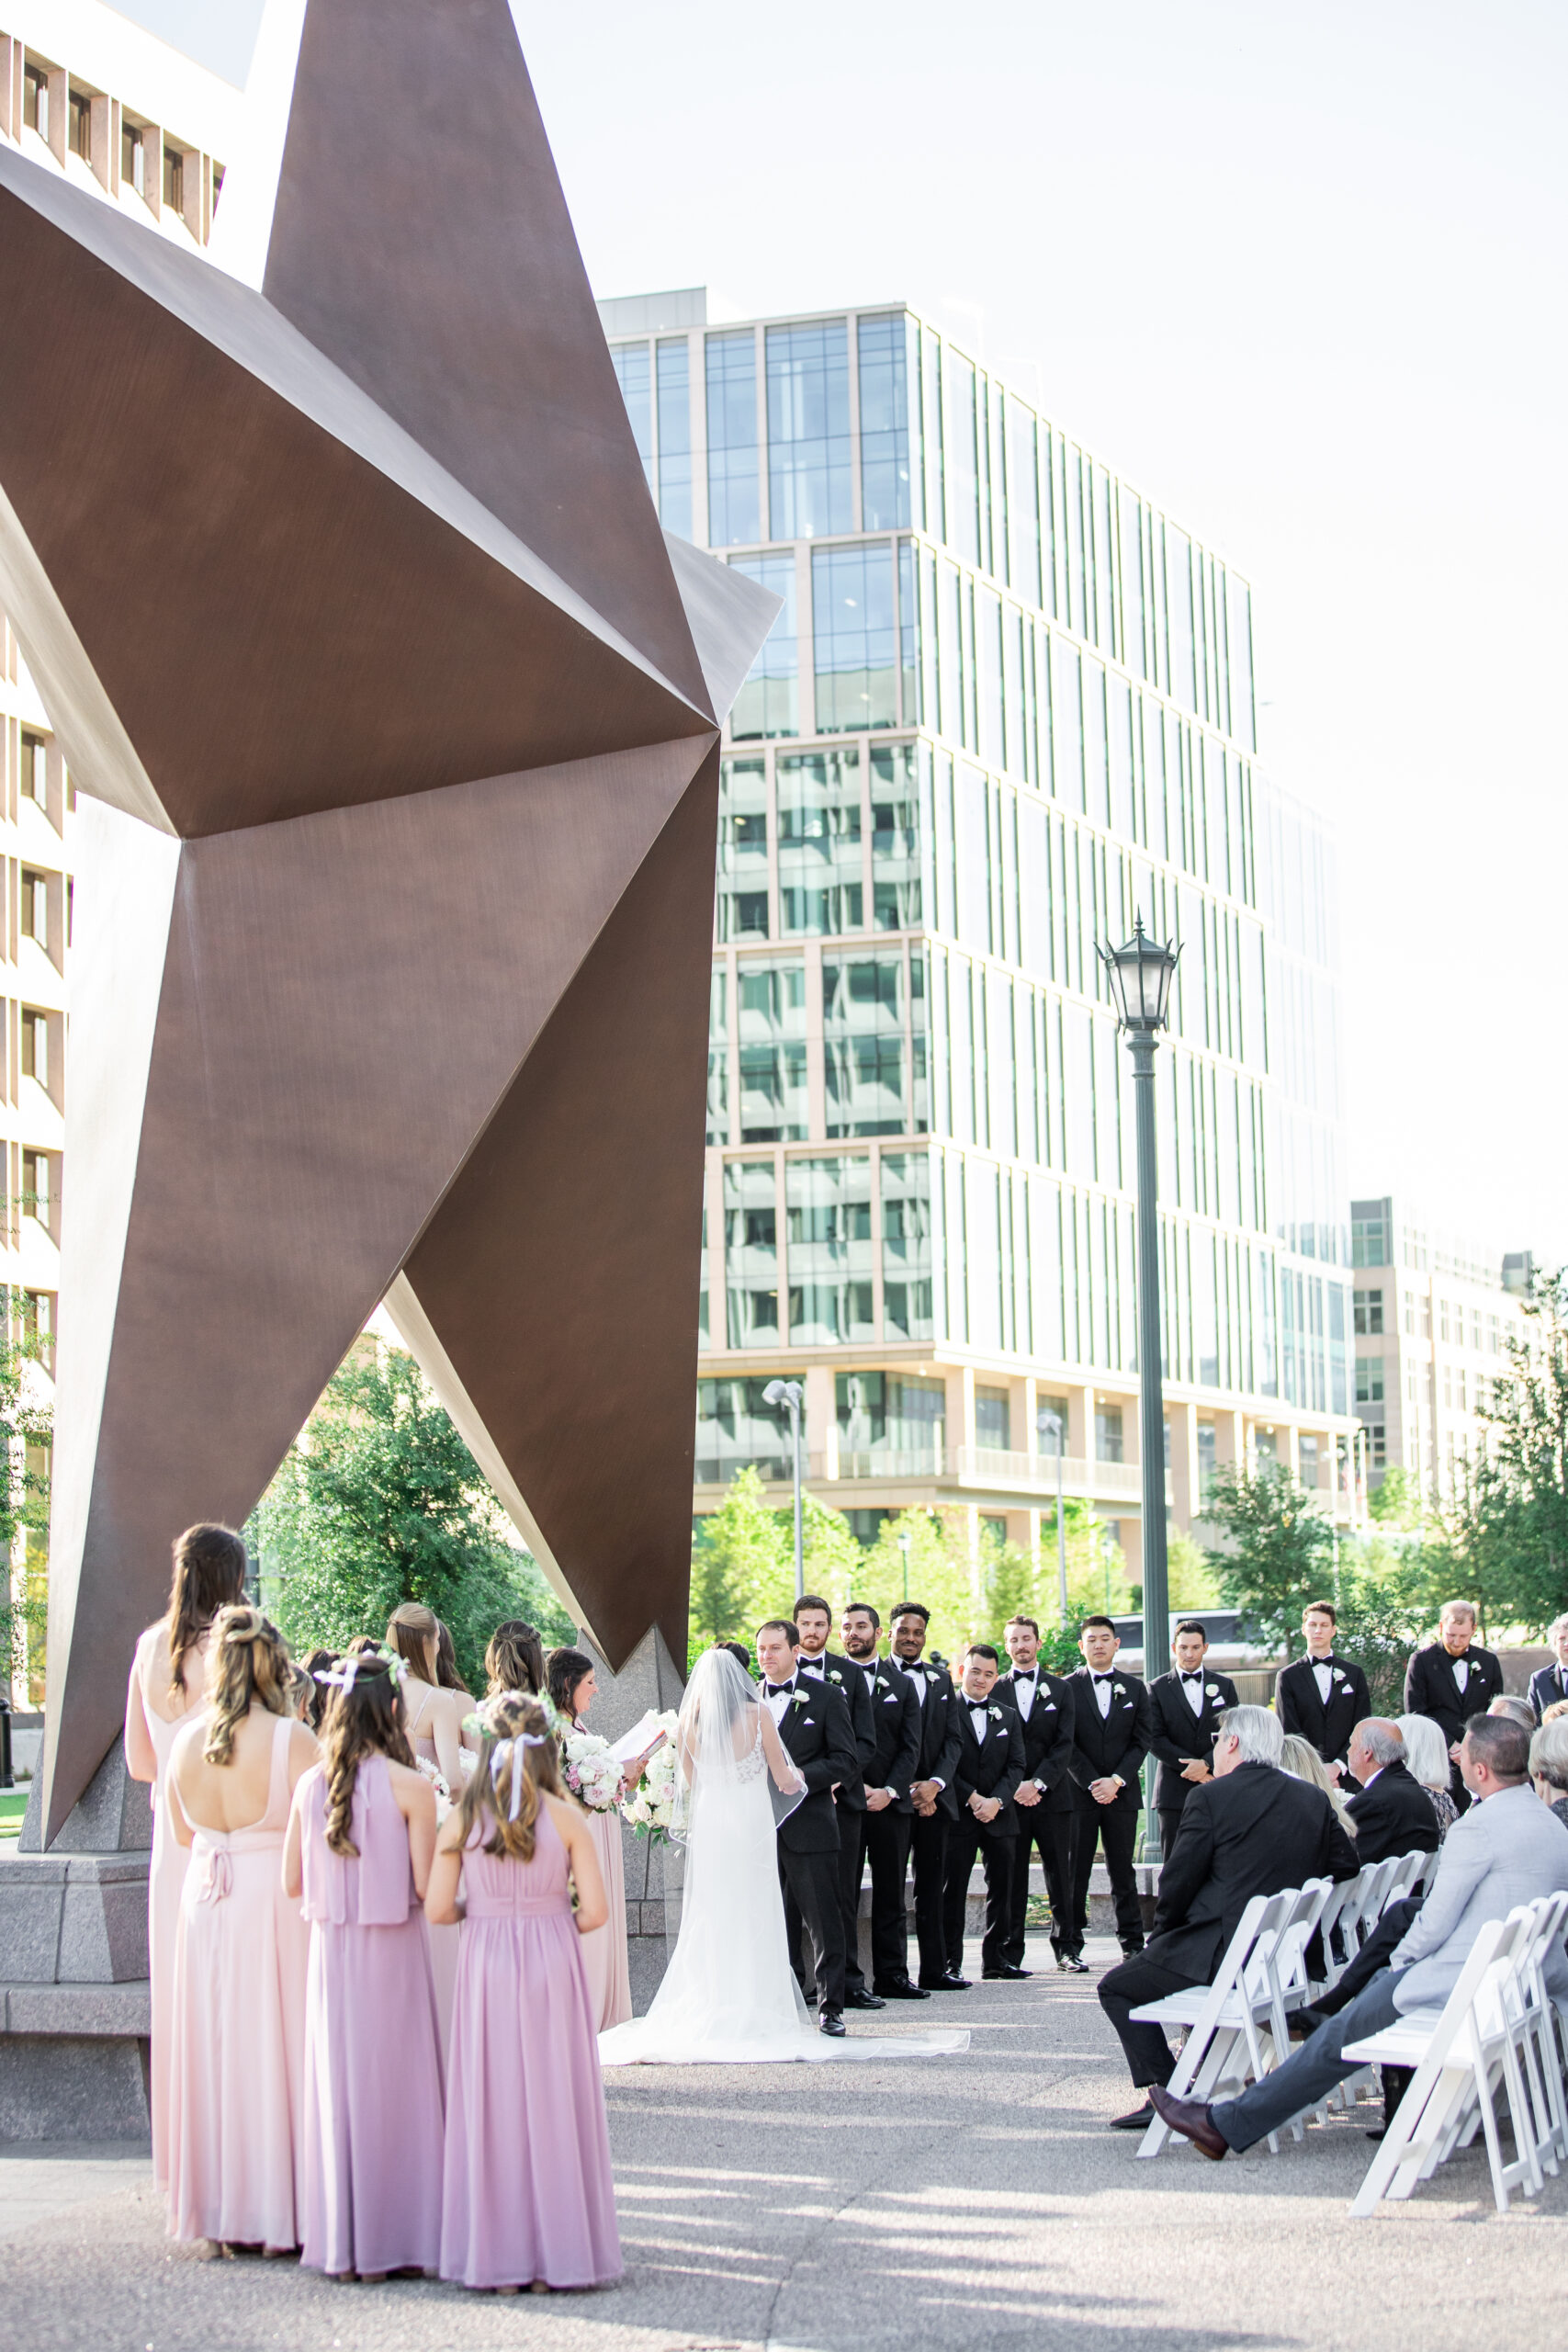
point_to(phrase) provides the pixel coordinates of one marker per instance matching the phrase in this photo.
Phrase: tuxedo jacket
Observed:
(895, 1757)
(1118, 1745)
(990, 1763)
(1252, 1833)
(1393, 1816)
(815, 1728)
(1179, 1737)
(1430, 1689)
(846, 1678)
(1548, 1684)
(1299, 1709)
(1047, 1735)
(939, 1730)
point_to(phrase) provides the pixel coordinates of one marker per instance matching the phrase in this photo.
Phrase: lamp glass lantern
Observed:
(1140, 973)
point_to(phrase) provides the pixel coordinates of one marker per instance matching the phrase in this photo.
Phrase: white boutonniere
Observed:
(1119, 1689)
(1211, 1689)
(800, 1699)
(1337, 1674)
(995, 1714)
(833, 1675)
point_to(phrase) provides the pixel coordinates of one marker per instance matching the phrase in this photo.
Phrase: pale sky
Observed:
(1297, 272)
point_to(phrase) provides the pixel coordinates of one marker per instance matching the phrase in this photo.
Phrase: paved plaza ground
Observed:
(975, 2201)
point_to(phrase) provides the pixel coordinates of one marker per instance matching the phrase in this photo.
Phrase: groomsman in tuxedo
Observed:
(817, 1663)
(885, 1826)
(1046, 1815)
(1322, 1697)
(1113, 1725)
(989, 1768)
(1188, 1703)
(1451, 1679)
(1549, 1684)
(935, 1808)
(814, 1726)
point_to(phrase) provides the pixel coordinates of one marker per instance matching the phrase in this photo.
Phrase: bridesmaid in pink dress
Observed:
(236, 2081)
(433, 1717)
(166, 1680)
(528, 2199)
(361, 1837)
(570, 1679)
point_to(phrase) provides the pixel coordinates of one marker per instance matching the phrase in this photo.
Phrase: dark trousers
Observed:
(1170, 1823)
(1309, 2074)
(966, 1839)
(810, 1884)
(1115, 1827)
(1132, 1987)
(1373, 1957)
(1055, 1835)
(852, 1867)
(886, 1840)
(928, 1845)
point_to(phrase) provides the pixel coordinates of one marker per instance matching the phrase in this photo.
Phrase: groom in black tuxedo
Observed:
(814, 1726)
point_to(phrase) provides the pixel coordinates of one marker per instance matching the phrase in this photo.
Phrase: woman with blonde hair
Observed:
(1300, 1759)
(1548, 1764)
(434, 1716)
(166, 1679)
(514, 1660)
(1426, 1760)
(237, 2076)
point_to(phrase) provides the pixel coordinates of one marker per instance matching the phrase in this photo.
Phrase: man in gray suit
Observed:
(1506, 1849)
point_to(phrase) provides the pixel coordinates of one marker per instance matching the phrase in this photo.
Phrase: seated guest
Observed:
(1518, 1711)
(1426, 1760)
(1302, 1763)
(1548, 1766)
(1549, 1684)
(1390, 1809)
(1251, 1830)
(1505, 1849)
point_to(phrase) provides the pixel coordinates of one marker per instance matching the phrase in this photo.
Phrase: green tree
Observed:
(1191, 1581)
(26, 1433)
(1511, 1522)
(1384, 1607)
(742, 1565)
(1279, 1550)
(1399, 1501)
(380, 1502)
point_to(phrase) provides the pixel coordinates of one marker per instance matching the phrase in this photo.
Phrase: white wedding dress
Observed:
(729, 1997)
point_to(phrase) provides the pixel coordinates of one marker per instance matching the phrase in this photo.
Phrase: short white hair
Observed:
(1556, 1626)
(1426, 1751)
(1259, 1733)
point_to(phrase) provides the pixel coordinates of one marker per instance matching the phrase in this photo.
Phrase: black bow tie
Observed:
(1103, 1678)
(1192, 1678)
(777, 1690)
(1322, 1661)
(1024, 1673)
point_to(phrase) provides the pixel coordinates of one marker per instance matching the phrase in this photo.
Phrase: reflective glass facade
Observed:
(1007, 706)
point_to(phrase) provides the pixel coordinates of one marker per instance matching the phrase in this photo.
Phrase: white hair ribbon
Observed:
(341, 1678)
(517, 1743)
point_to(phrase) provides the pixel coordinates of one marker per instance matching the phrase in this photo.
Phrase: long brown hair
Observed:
(248, 1665)
(511, 1716)
(210, 1574)
(565, 1671)
(365, 1720)
(446, 1673)
(412, 1631)
(515, 1658)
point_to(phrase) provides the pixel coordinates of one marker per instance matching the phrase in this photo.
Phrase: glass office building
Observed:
(1008, 705)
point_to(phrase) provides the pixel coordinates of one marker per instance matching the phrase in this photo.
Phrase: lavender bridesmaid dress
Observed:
(371, 2191)
(528, 2193)
(238, 2044)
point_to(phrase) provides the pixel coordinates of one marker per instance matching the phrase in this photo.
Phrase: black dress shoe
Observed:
(934, 1985)
(1193, 2120)
(1009, 1971)
(1132, 1952)
(953, 1983)
(861, 1999)
(831, 2021)
(1137, 2119)
(1074, 1963)
(898, 1988)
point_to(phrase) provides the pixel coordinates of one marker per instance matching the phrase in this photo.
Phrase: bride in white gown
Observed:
(729, 1997)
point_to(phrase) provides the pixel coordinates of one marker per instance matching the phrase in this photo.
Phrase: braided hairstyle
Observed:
(249, 1666)
(365, 1720)
(564, 1672)
(210, 1573)
(516, 1659)
(505, 1719)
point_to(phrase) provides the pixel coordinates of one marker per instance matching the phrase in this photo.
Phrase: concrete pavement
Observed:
(976, 2201)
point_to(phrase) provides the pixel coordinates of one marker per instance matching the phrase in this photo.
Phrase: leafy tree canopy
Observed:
(26, 1433)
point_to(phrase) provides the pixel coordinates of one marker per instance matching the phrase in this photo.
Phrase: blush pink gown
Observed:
(371, 2172)
(442, 1940)
(238, 2042)
(528, 2193)
(165, 1883)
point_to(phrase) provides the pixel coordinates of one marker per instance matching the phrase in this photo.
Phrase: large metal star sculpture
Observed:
(400, 714)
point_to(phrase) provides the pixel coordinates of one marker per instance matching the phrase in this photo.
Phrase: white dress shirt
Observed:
(1192, 1692)
(777, 1700)
(1323, 1671)
(978, 1718)
(1102, 1697)
(1025, 1687)
(1461, 1673)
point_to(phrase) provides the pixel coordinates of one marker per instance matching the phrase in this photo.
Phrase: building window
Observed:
(37, 1323)
(862, 1045)
(1443, 1321)
(35, 769)
(35, 907)
(80, 127)
(34, 99)
(1108, 1433)
(1377, 1446)
(733, 516)
(830, 1250)
(133, 157)
(736, 1428)
(886, 1419)
(35, 1044)
(674, 437)
(743, 849)
(718, 1064)
(884, 423)
(821, 885)
(1369, 1380)
(906, 1246)
(809, 486)
(1308, 1458)
(769, 702)
(751, 1253)
(771, 1022)
(1368, 1308)
(1047, 1440)
(1208, 1458)
(856, 643)
(895, 837)
(1369, 1241)
(38, 1195)
(174, 179)
(632, 374)
(993, 1423)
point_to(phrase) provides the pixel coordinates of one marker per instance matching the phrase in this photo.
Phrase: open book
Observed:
(649, 1733)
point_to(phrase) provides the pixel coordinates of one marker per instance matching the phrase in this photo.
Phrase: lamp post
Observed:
(790, 1393)
(1140, 974)
(1052, 1422)
(904, 1547)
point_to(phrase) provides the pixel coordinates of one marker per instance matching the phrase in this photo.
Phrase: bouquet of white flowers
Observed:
(591, 1772)
(651, 1804)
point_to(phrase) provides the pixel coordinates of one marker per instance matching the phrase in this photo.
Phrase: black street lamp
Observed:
(1140, 974)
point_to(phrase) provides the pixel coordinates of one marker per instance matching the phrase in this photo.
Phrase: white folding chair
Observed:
(1542, 2058)
(1227, 2020)
(1462, 2054)
(1341, 1892)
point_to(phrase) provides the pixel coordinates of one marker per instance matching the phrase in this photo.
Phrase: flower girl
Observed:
(528, 2199)
(361, 1835)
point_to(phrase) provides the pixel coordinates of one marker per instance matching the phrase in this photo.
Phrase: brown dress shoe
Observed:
(1194, 2123)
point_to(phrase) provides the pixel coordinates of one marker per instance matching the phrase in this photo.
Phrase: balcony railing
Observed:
(964, 1465)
